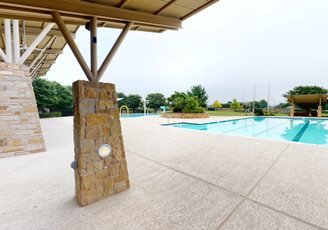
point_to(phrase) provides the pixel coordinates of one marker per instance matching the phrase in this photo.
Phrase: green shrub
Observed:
(194, 110)
(50, 114)
(192, 106)
(258, 112)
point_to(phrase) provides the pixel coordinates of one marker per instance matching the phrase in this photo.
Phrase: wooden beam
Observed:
(60, 23)
(167, 5)
(199, 9)
(37, 31)
(49, 51)
(47, 62)
(82, 9)
(43, 70)
(123, 3)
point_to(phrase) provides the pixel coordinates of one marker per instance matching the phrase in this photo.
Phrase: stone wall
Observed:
(96, 122)
(20, 131)
(184, 115)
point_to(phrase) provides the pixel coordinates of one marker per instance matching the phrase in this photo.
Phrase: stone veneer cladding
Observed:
(96, 122)
(20, 130)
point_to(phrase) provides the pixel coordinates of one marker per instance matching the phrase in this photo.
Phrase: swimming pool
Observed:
(304, 130)
(131, 115)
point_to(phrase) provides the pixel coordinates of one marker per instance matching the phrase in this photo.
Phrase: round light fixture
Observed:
(104, 151)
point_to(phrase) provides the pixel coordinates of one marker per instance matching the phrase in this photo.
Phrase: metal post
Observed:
(93, 46)
(254, 98)
(268, 98)
(8, 41)
(61, 25)
(16, 41)
(114, 49)
(35, 43)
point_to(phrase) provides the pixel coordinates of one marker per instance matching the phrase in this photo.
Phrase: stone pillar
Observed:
(96, 122)
(319, 111)
(20, 130)
(292, 111)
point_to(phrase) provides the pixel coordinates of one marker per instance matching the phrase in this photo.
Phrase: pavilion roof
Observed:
(307, 99)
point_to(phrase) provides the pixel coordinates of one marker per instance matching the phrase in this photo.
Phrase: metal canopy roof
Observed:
(307, 99)
(146, 15)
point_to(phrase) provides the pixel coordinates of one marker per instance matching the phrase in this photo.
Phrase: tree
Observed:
(121, 99)
(235, 104)
(45, 93)
(133, 101)
(155, 100)
(262, 104)
(216, 105)
(199, 92)
(303, 90)
(181, 102)
(177, 101)
(52, 95)
(64, 95)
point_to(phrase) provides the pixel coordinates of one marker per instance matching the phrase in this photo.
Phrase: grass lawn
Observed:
(226, 113)
(233, 113)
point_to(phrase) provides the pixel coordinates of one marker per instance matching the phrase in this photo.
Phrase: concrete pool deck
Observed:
(180, 179)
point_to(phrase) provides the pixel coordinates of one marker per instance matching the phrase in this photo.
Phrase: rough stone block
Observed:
(87, 146)
(95, 166)
(14, 142)
(96, 119)
(86, 197)
(120, 186)
(93, 132)
(90, 92)
(87, 182)
(3, 142)
(87, 106)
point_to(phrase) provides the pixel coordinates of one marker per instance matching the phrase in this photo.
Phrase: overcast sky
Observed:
(227, 48)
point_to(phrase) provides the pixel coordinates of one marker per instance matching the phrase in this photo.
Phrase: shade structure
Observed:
(146, 15)
(307, 99)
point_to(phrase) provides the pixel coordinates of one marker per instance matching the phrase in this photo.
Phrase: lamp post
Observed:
(145, 107)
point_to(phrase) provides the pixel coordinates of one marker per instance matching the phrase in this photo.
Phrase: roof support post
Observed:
(41, 52)
(93, 46)
(35, 43)
(8, 41)
(113, 51)
(61, 25)
(16, 41)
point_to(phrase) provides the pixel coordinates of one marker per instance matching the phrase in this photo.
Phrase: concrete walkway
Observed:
(180, 179)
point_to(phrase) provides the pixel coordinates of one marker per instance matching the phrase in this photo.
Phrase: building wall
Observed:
(96, 122)
(20, 130)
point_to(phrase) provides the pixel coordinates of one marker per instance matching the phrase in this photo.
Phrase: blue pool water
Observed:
(304, 130)
(131, 115)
